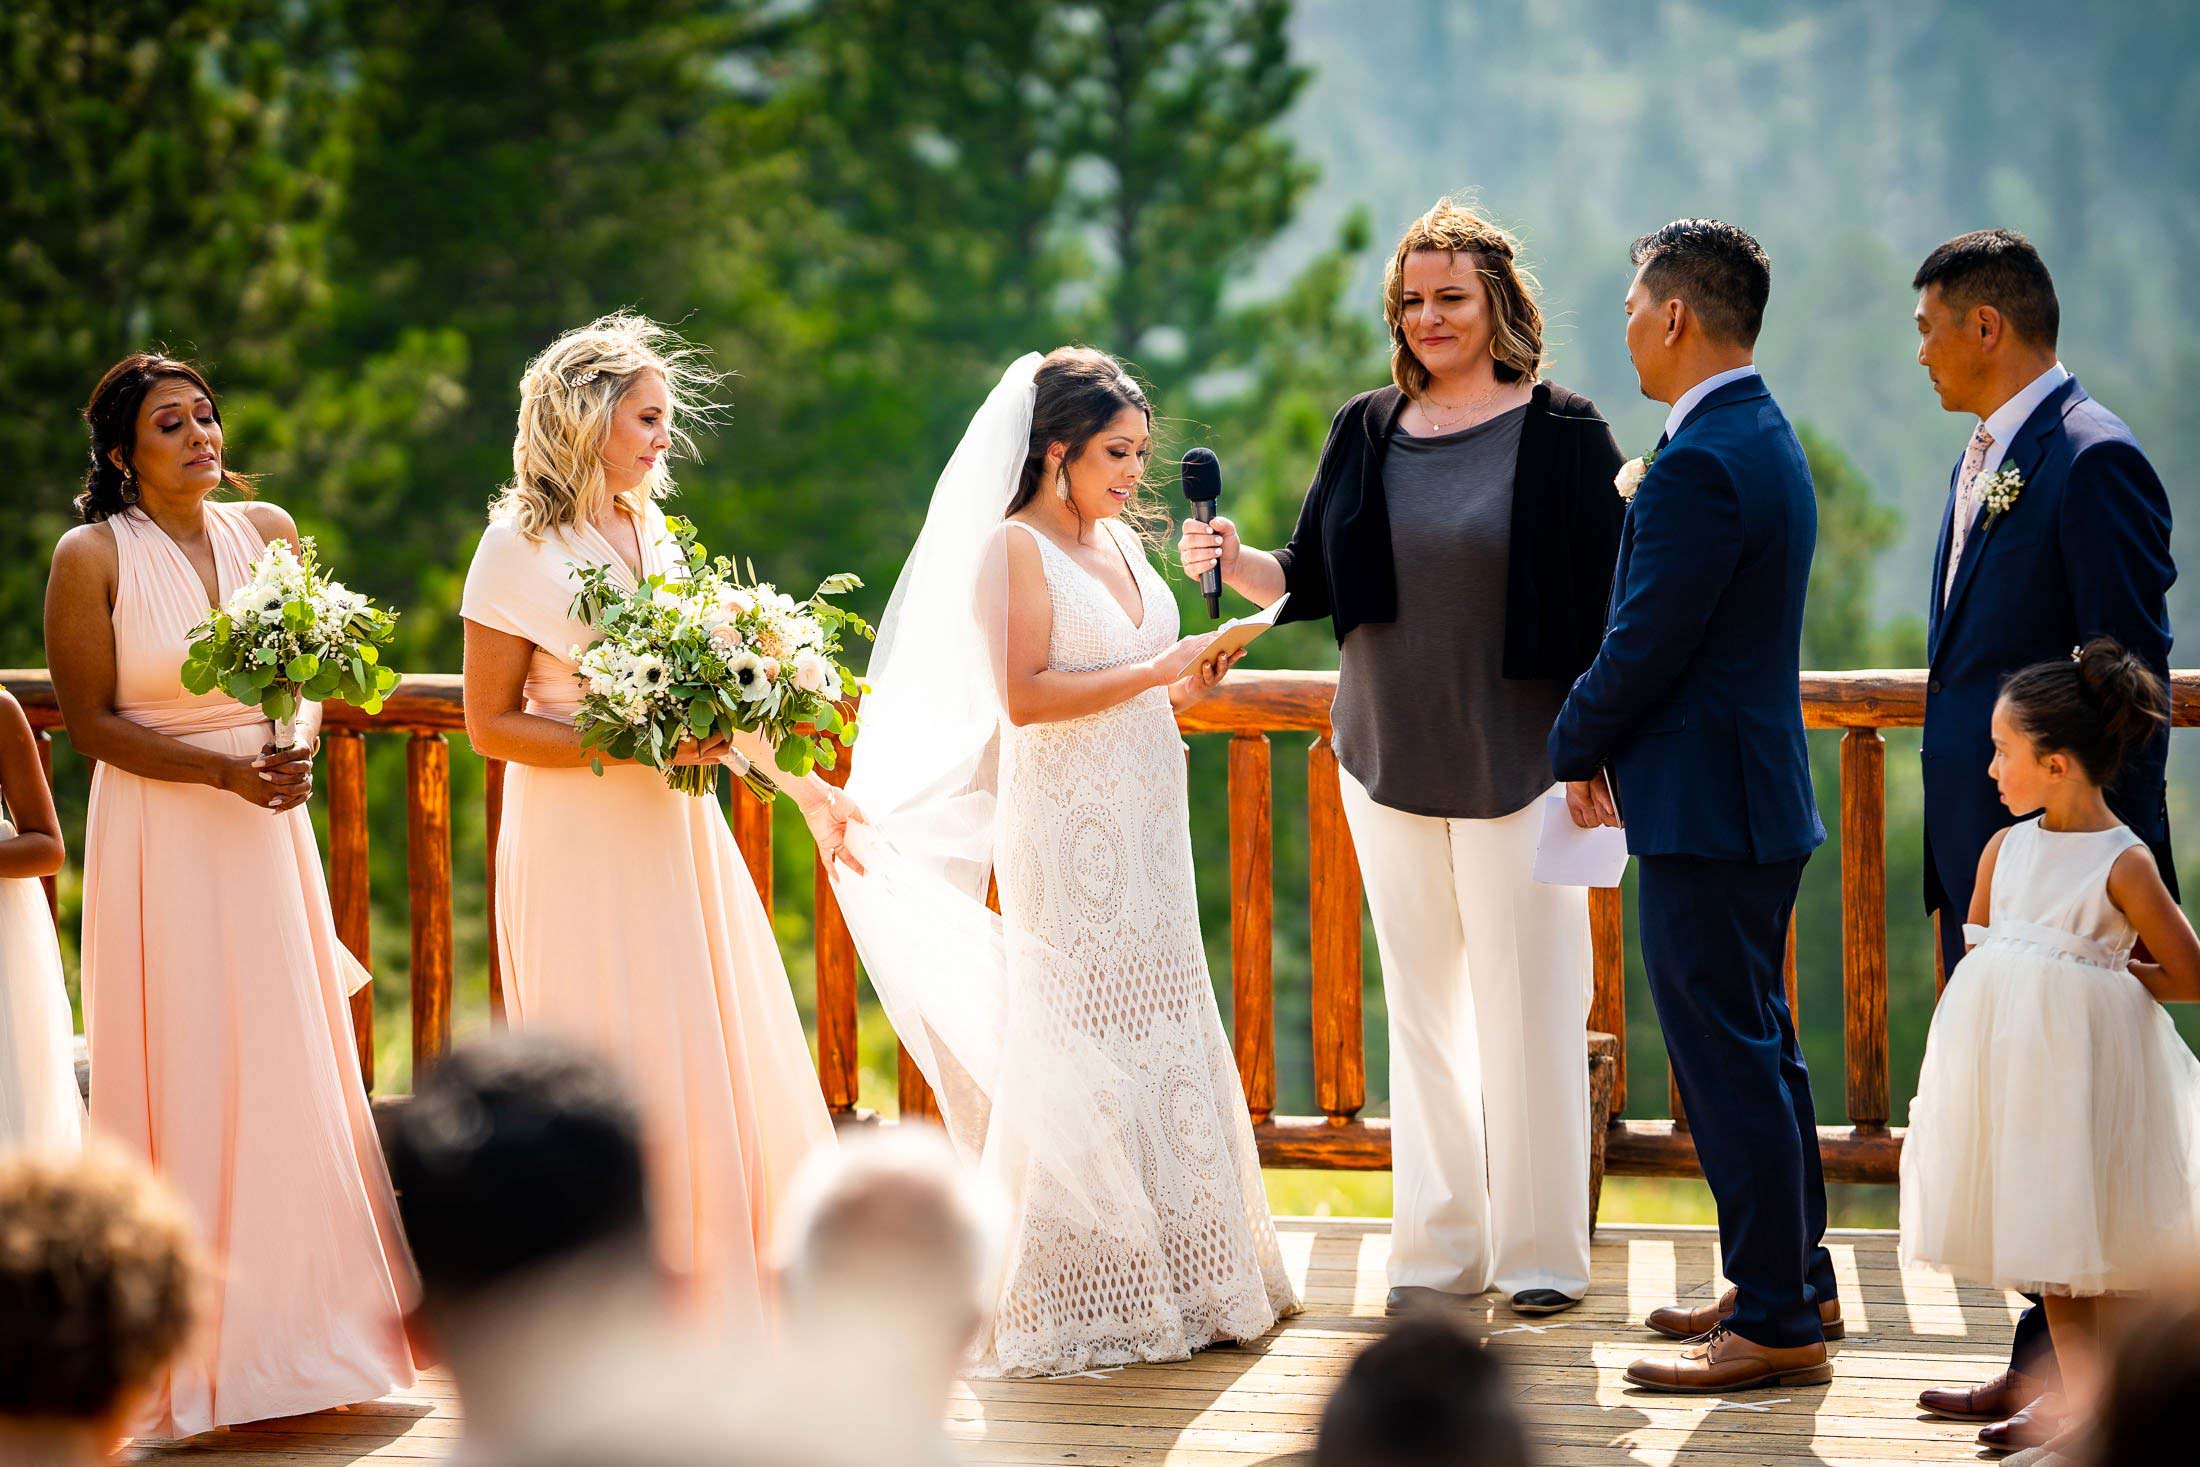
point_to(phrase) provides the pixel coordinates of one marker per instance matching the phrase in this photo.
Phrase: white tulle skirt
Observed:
(40, 1106)
(2054, 1144)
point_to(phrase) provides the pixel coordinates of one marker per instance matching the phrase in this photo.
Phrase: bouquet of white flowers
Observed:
(702, 652)
(292, 634)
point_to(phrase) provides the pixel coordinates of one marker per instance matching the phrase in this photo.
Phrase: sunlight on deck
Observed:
(1261, 1403)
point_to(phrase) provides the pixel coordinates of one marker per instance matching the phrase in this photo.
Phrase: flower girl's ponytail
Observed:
(2100, 706)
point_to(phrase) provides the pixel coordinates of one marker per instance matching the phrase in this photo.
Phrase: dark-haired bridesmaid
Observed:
(215, 990)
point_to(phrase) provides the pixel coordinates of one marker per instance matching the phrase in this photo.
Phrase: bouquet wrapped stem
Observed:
(289, 636)
(701, 653)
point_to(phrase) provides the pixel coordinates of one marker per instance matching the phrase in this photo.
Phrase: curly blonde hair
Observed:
(101, 1283)
(1515, 316)
(567, 399)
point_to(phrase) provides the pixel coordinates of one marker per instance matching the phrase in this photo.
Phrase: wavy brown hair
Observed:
(1515, 315)
(112, 417)
(1078, 391)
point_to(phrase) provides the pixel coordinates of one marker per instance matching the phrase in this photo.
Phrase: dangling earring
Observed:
(1061, 484)
(129, 486)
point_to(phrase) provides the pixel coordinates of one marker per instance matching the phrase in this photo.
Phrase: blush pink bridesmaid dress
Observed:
(626, 922)
(222, 1051)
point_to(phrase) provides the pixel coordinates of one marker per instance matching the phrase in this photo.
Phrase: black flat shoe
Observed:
(1542, 1301)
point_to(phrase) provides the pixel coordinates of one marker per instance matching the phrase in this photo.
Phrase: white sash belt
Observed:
(2043, 941)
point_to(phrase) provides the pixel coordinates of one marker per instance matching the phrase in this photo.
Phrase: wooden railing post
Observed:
(1608, 999)
(45, 765)
(492, 814)
(347, 876)
(1252, 708)
(428, 865)
(836, 986)
(1790, 973)
(752, 830)
(1940, 962)
(1253, 921)
(1340, 1056)
(1864, 924)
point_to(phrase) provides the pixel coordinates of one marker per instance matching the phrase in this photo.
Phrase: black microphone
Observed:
(1203, 486)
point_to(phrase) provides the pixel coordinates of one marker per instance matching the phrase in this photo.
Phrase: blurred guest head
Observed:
(889, 1226)
(100, 1285)
(156, 435)
(1986, 317)
(1425, 1395)
(518, 1168)
(1696, 303)
(516, 1154)
(887, 1266)
(1459, 304)
(2153, 1379)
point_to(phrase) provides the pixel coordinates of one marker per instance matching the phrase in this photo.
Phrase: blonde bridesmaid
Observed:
(39, 1104)
(215, 991)
(625, 915)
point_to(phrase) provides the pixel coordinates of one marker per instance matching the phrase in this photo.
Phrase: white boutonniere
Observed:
(1630, 475)
(1998, 491)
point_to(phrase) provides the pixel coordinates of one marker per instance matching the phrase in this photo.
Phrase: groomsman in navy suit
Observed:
(2056, 531)
(1693, 710)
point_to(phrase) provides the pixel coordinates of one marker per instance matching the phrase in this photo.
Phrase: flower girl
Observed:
(2054, 1143)
(39, 1102)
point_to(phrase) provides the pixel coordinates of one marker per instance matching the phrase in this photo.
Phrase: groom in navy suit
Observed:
(2056, 531)
(1689, 725)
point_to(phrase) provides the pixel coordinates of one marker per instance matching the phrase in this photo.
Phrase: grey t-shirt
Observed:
(1425, 718)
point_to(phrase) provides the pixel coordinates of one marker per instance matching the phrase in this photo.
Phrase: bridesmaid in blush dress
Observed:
(215, 990)
(626, 920)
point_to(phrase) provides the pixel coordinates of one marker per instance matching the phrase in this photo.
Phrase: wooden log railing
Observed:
(1249, 709)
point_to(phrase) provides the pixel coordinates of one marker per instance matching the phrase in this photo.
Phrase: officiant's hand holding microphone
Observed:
(1208, 543)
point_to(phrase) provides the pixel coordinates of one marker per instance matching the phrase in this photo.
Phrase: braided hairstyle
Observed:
(112, 417)
(2099, 706)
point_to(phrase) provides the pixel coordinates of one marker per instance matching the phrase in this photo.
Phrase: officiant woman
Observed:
(1460, 534)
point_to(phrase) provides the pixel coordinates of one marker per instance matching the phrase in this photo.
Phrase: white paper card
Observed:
(1567, 855)
(1237, 634)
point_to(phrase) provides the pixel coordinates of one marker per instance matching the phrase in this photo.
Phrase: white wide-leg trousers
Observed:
(1487, 977)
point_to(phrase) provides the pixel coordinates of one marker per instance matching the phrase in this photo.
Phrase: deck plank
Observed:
(1262, 1402)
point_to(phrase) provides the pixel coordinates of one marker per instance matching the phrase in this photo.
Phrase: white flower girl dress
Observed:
(39, 1102)
(2054, 1143)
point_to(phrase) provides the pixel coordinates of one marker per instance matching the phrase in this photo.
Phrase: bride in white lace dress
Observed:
(1022, 723)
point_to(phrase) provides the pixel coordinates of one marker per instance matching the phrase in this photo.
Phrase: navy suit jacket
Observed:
(1694, 701)
(2084, 552)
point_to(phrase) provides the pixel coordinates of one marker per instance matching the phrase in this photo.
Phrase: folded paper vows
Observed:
(1567, 855)
(1236, 634)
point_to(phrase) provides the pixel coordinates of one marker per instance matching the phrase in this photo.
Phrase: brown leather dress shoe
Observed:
(1676, 1323)
(1723, 1361)
(2034, 1425)
(1997, 1400)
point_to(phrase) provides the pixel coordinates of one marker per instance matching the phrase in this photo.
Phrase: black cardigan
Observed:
(1565, 531)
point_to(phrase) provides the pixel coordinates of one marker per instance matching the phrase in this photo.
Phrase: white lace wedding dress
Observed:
(1072, 1040)
(1095, 861)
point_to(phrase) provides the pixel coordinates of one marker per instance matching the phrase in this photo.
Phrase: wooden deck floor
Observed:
(1260, 1404)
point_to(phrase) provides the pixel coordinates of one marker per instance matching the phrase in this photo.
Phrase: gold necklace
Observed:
(1461, 411)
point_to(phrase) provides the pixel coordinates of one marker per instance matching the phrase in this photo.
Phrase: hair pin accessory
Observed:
(582, 379)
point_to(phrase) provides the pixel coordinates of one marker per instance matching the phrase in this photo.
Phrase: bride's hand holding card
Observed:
(1234, 636)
